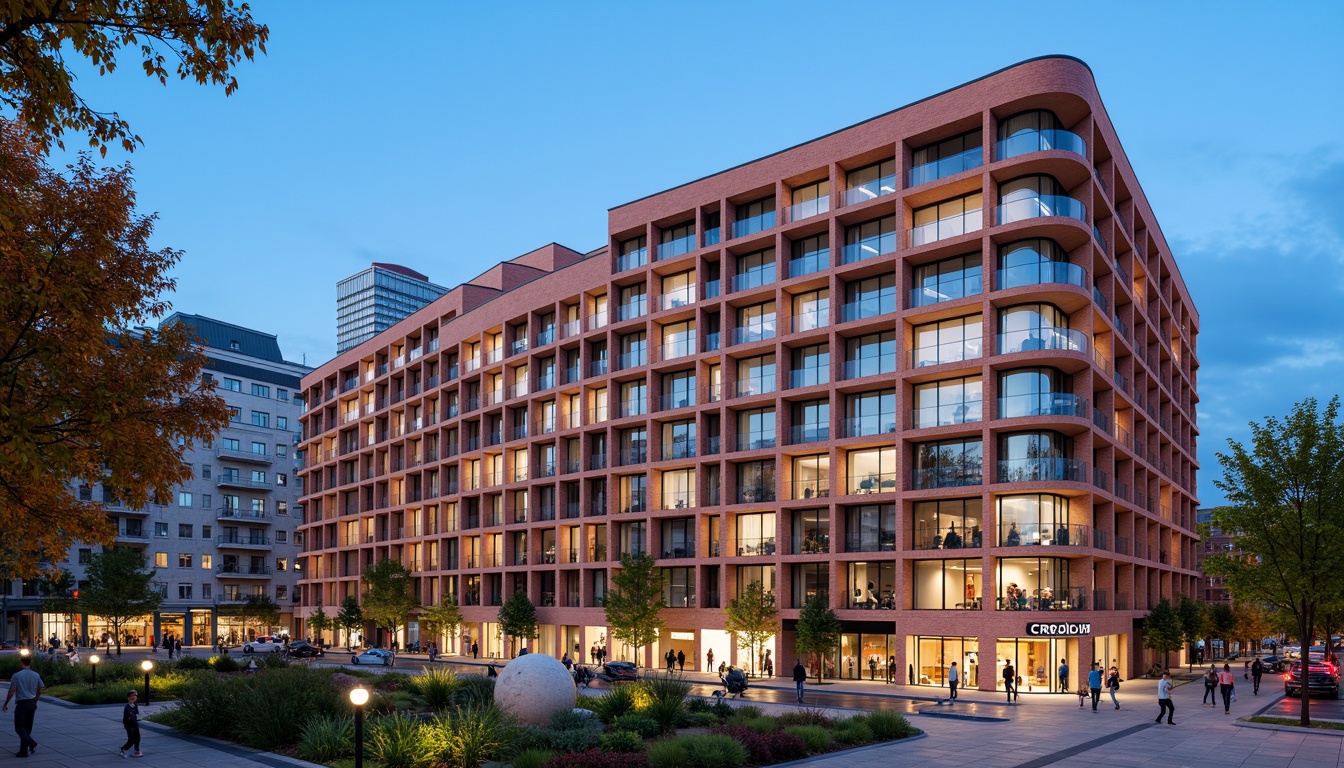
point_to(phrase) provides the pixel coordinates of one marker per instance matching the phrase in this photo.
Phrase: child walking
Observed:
(130, 720)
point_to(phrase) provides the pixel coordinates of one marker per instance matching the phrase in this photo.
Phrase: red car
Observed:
(1323, 677)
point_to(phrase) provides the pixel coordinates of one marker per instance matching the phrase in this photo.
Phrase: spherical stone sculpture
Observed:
(534, 687)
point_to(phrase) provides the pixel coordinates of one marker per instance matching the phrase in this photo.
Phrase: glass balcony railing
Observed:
(871, 190)
(942, 229)
(677, 247)
(679, 449)
(755, 441)
(809, 377)
(750, 333)
(948, 537)
(632, 359)
(753, 494)
(873, 482)
(953, 476)
(809, 208)
(756, 547)
(1041, 206)
(632, 310)
(1044, 535)
(754, 224)
(546, 336)
(677, 400)
(810, 320)
(711, 236)
(678, 500)
(713, 288)
(754, 278)
(868, 248)
(1042, 469)
(870, 366)
(713, 341)
(1026, 142)
(812, 262)
(636, 258)
(1041, 339)
(1042, 273)
(884, 304)
(868, 426)
(951, 290)
(1043, 404)
(943, 415)
(809, 433)
(677, 348)
(756, 385)
(948, 166)
(681, 297)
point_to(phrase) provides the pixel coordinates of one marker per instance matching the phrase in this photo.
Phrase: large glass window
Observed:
(1028, 327)
(756, 376)
(810, 200)
(872, 470)
(948, 464)
(872, 585)
(811, 422)
(1036, 262)
(1037, 584)
(756, 534)
(811, 366)
(755, 482)
(947, 584)
(678, 537)
(634, 302)
(949, 401)
(634, 446)
(1036, 392)
(633, 253)
(679, 587)
(811, 531)
(634, 493)
(677, 240)
(634, 398)
(1035, 131)
(947, 341)
(760, 574)
(678, 390)
(949, 218)
(870, 355)
(679, 489)
(1037, 519)
(870, 528)
(634, 352)
(679, 289)
(753, 217)
(755, 323)
(811, 310)
(948, 524)
(1031, 197)
(678, 340)
(754, 270)
(870, 413)
(756, 429)
(869, 297)
(811, 580)
(934, 656)
(634, 538)
(679, 440)
(947, 280)
(811, 254)
(870, 182)
(812, 476)
(1034, 456)
(946, 157)
(869, 239)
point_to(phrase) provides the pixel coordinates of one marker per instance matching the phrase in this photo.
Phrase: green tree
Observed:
(1286, 504)
(389, 596)
(1193, 618)
(120, 588)
(1252, 623)
(752, 618)
(85, 397)
(443, 619)
(206, 39)
(1162, 629)
(1222, 622)
(261, 611)
(518, 618)
(635, 602)
(817, 632)
(319, 622)
(350, 617)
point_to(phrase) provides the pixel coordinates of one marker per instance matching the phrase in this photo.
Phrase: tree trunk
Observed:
(1304, 625)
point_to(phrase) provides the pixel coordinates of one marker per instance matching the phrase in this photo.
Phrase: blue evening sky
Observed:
(450, 136)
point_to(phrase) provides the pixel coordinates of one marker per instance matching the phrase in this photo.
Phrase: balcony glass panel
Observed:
(1038, 206)
(870, 190)
(950, 226)
(753, 224)
(1056, 339)
(1042, 273)
(947, 166)
(676, 246)
(1026, 142)
(809, 208)
(884, 304)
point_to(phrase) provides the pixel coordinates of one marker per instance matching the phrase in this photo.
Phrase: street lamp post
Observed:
(24, 652)
(359, 697)
(147, 665)
(93, 663)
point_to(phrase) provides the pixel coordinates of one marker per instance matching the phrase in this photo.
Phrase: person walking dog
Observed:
(1164, 702)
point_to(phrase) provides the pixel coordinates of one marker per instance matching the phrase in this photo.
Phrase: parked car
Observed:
(1274, 663)
(264, 644)
(375, 656)
(302, 649)
(1322, 677)
(619, 672)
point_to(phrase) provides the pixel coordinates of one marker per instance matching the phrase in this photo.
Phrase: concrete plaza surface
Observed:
(1041, 730)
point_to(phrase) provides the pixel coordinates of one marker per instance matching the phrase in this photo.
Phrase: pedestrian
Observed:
(1257, 671)
(799, 678)
(26, 686)
(1211, 687)
(592, 654)
(953, 677)
(130, 720)
(475, 650)
(1064, 675)
(1164, 703)
(681, 661)
(568, 664)
(671, 659)
(1094, 685)
(153, 647)
(1113, 685)
(1226, 687)
(723, 669)
(1009, 681)
(891, 669)
(769, 665)
(709, 659)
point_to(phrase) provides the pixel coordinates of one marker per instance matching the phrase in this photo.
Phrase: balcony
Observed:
(809, 264)
(952, 226)
(868, 426)
(240, 571)
(879, 541)
(1042, 469)
(494, 355)
(632, 310)
(809, 377)
(752, 333)
(1031, 340)
(679, 500)
(598, 320)
(753, 224)
(246, 457)
(869, 366)
(931, 537)
(809, 208)
(755, 494)
(1043, 404)
(868, 248)
(227, 541)
(871, 190)
(546, 336)
(873, 482)
(755, 441)
(1041, 206)
(812, 489)
(1047, 599)
(1026, 142)
(632, 408)
(682, 297)
(236, 481)
(1042, 273)
(132, 536)
(947, 166)
(679, 550)
(242, 514)
(630, 456)
(761, 547)
(674, 401)
(682, 347)
(681, 448)
(636, 258)
(809, 433)
(711, 236)
(953, 476)
(947, 414)
(518, 347)
(597, 368)
(754, 278)
(1044, 535)
(884, 304)
(627, 360)
(676, 247)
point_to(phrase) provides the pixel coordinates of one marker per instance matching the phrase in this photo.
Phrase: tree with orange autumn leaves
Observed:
(85, 396)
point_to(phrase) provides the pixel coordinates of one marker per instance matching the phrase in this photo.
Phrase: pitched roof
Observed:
(217, 334)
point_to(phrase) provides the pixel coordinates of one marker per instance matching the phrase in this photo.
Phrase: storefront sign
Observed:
(1062, 629)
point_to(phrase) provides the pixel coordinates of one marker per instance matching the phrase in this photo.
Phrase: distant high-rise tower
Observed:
(374, 300)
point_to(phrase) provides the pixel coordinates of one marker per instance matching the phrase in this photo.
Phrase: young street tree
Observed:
(753, 618)
(443, 619)
(635, 602)
(206, 38)
(120, 588)
(260, 611)
(388, 597)
(1286, 504)
(350, 618)
(84, 398)
(1193, 617)
(319, 622)
(518, 619)
(817, 632)
(1162, 629)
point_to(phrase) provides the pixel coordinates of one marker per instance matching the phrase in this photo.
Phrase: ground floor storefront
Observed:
(193, 626)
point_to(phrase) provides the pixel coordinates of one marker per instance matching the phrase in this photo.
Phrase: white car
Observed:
(375, 656)
(264, 644)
